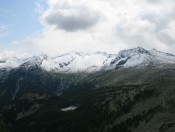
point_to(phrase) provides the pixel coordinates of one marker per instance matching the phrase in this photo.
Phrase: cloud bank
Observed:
(71, 17)
(105, 25)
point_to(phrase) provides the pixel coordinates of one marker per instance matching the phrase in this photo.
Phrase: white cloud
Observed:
(5, 13)
(70, 17)
(5, 28)
(4, 31)
(106, 25)
(9, 54)
(40, 6)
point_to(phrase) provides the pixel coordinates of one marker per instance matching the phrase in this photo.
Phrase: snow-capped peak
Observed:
(78, 62)
(90, 62)
(142, 57)
(134, 55)
(132, 52)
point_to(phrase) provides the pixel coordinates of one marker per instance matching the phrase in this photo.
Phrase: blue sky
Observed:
(59, 26)
(19, 18)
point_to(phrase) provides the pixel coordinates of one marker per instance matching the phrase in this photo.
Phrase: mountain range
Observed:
(131, 91)
(74, 62)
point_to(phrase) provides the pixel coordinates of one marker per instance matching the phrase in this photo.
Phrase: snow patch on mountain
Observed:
(78, 62)
(161, 57)
(70, 108)
(140, 57)
(90, 62)
(131, 57)
(10, 63)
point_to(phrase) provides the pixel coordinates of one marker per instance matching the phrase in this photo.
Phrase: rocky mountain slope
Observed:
(132, 91)
(127, 100)
(74, 62)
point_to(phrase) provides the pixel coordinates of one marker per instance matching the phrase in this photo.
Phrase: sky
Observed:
(32, 27)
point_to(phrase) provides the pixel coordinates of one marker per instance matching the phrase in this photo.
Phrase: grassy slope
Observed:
(122, 100)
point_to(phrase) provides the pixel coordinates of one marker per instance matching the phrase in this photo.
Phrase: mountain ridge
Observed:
(74, 62)
(131, 91)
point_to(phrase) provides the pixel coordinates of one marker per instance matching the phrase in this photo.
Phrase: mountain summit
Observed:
(74, 62)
